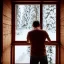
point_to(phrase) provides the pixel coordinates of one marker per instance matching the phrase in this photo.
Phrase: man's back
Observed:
(37, 39)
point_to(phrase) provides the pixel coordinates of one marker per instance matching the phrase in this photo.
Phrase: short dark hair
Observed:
(36, 24)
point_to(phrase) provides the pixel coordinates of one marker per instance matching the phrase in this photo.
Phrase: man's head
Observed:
(36, 24)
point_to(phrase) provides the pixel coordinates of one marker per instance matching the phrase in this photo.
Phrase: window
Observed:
(49, 20)
(23, 56)
(27, 13)
(23, 16)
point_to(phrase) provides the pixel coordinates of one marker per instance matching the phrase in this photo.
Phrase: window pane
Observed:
(22, 54)
(51, 54)
(24, 17)
(49, 20)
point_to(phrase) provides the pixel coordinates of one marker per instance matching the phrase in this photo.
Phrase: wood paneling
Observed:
(6, 11)
(6, 32)
(62, 30)
(1, 46)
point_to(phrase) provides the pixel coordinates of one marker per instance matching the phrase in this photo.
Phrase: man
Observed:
(37, 39)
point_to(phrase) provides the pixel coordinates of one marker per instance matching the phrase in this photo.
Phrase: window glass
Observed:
(49, 20)
(22, 54)
(24, 17)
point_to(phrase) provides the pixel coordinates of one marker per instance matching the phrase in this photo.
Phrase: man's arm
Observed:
(28, 40)
(48, 38)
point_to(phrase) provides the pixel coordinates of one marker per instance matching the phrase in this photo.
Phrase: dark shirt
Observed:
(37, 40)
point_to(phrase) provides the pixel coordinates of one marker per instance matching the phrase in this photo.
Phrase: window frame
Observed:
(57, 42)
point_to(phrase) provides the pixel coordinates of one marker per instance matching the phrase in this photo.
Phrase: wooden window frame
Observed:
(57, 42)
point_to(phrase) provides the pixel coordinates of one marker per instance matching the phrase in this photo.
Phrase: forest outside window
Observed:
(26, 14)
(49, 20)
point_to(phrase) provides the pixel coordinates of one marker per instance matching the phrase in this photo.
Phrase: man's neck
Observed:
(37, 28)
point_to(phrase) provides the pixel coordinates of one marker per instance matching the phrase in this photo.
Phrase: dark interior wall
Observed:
(1, 9)
(35, 0)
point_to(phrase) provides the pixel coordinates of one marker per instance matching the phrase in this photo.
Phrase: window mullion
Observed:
(41, 16)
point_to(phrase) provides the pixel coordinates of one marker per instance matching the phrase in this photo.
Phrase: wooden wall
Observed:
(6, 32)
(1, 9)
(62, 30)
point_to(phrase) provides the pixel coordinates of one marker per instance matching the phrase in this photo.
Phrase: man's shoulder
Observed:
(42, 30)
(37, 30)
(30, 31)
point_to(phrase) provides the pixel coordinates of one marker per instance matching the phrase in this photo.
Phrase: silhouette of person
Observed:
(37, 39)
